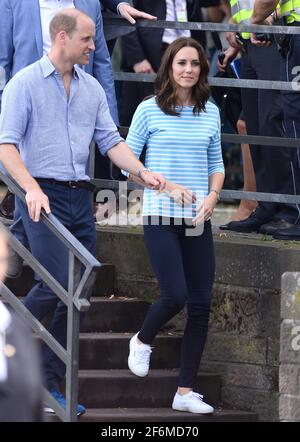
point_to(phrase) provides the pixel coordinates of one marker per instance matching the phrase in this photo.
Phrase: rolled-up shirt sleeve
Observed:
(106, 134)
(15, 112)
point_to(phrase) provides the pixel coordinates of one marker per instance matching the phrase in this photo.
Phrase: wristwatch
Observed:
(144, 169)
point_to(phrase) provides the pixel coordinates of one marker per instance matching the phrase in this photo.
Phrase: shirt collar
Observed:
(48, 68)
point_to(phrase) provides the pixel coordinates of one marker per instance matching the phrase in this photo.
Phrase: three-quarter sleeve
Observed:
(214, 152)
(138, 132)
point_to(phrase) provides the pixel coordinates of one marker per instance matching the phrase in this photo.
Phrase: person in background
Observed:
(289, 47)
(143, 49)
(180, 130)
(264, 117)
(112, 32)
(246, 207)
(21, 396)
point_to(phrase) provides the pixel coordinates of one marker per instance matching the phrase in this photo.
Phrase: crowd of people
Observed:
(59, 95)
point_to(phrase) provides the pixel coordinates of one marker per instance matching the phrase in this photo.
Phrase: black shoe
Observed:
(292, 234)
(277, 224)
(248, 225)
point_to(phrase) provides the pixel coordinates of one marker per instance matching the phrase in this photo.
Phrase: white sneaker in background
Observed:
(139, 357)
(192, 402)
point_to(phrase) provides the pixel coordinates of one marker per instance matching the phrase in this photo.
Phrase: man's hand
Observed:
(262, 43)
(231, 38)
(130, 13)
(37, 200)
(205, 208)
(230, 54)
(180, 194)
(143, 67)
(259, 43)
(156, 181)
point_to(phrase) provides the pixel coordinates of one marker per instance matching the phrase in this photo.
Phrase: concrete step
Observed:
(158, 415)
(120, 388)
(110, 351)
(104, 283)
(117, 314)
(105, 280)
(163, 415)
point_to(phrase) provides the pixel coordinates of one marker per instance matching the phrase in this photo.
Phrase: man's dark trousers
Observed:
(74, 209)
(291, 106)
(264, 116)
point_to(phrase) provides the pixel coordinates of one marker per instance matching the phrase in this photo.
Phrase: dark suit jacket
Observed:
(21, 395)
(145, 43)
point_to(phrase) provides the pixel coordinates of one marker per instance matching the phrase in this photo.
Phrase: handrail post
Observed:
(72, 341)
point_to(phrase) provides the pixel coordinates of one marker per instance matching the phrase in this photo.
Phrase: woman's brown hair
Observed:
(165, 88)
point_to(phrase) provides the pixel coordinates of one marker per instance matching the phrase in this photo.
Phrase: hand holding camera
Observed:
(263, 39)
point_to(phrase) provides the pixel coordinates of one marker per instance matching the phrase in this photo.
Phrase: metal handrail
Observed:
(202, 26)
(218, 82)
(76, 299)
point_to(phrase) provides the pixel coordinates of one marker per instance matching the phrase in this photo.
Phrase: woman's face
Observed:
(186, 68)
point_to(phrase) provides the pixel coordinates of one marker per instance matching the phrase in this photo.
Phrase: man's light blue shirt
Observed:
(52, 131)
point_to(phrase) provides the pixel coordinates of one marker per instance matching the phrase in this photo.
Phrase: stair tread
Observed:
(125, 373)
(162, 414)
(124, 335)
(116, 299)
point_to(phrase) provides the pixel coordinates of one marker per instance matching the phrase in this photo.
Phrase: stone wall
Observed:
(243, 341)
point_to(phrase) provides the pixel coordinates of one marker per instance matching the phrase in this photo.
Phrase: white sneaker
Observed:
(139, 357)
(192, 402)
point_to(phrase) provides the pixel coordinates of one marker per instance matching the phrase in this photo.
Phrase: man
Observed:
(263, 115)
(24, 38)
(290, 55)
(51, 111)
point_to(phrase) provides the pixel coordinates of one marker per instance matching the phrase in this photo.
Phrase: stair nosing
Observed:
(125, 373)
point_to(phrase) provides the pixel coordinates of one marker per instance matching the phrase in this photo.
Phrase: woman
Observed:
(181, 132)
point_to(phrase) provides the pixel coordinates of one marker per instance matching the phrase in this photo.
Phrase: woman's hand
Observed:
(180, 194)
(205, 208)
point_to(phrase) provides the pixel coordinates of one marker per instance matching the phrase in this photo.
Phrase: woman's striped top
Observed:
(186, 149)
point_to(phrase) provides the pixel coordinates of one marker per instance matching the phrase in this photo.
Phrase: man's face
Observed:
(79, 46)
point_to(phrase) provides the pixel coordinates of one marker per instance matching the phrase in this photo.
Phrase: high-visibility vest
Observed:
(290, 9)
(241, 12)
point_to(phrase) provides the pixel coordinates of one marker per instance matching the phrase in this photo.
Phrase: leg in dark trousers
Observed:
(184, 267)
(264, 116)
(73, 208)
(291, 106)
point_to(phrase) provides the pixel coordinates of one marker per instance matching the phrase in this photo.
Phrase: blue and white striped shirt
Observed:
(53, 131)
(186, 149)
